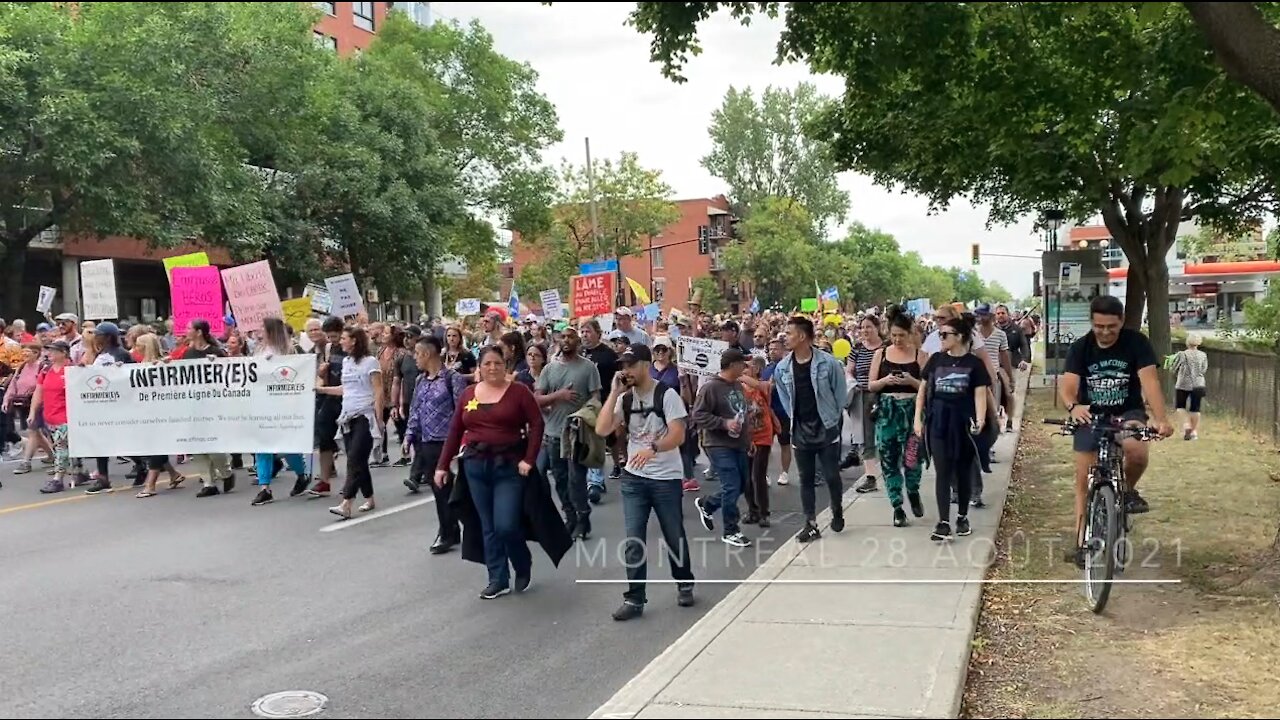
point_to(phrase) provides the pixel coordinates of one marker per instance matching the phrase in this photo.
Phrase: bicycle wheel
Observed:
(1101, 542)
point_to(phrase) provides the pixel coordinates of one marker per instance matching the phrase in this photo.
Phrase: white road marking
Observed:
(364, 518)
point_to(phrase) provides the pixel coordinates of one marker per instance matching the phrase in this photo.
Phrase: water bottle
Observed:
(740, 418)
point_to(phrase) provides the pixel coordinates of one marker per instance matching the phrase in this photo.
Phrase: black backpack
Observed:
(659, 396)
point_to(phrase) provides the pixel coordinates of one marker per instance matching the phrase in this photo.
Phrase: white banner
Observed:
(193, 406)
(98, 284)
(699, 356)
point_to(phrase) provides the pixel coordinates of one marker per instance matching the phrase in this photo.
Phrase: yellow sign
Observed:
(296, 312)
(639, 291)
(198, 259)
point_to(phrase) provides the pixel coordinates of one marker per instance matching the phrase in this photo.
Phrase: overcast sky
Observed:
(598, 74)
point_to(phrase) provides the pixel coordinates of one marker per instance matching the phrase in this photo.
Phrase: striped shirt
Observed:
(995, 342)
(861, 358)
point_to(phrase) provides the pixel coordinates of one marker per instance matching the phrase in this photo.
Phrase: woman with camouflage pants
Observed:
(895, 375)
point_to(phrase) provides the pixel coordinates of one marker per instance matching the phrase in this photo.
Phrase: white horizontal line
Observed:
(904, 581)
(343, 524)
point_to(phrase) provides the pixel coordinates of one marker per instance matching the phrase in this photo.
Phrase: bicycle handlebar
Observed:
(1144, 433)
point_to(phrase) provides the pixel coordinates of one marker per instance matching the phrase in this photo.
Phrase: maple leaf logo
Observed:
(98, 382)
(285, 374)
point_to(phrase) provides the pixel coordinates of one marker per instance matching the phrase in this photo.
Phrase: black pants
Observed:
(640, 497)
(425, 457)
(757, 490)
(807, 461)
(359, 442)
(953, 471)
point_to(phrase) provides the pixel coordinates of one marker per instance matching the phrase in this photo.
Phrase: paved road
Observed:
(178, 607)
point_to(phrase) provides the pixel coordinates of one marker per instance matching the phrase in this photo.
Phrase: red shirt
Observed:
(503, 423)
(53, 406)
(760, 418)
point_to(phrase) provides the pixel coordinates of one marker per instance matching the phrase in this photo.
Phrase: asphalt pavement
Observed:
(181, 607)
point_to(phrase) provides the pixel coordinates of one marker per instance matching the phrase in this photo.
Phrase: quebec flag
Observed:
(831, 294)
(755, 306)
(513, 304)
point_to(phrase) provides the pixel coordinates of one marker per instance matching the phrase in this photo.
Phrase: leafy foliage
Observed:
(712, 299)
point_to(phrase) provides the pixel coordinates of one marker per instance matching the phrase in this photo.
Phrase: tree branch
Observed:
(1245, 43)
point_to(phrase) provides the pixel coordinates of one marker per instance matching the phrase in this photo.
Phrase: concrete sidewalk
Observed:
(872, 622)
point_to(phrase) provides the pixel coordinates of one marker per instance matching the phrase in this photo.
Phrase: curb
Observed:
(644, 688)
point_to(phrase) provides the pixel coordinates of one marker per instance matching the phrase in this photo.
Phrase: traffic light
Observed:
(977, 257)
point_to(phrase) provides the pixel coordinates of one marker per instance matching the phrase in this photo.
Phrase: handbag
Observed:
(911, 457)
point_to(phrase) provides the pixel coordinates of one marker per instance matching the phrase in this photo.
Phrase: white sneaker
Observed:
(783, 479)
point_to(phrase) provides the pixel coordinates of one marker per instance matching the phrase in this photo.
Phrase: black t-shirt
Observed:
(463, 363)
(329, 367)
(606, 362)
(953, 385)
(408, 372)
(1109, 376)
(212, 351)
(807, 429)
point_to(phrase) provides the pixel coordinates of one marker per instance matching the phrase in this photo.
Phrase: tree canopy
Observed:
(1088, 107)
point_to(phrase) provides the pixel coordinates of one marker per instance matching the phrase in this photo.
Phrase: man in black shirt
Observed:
(404, 378)
(325, 336)
(1109, 372)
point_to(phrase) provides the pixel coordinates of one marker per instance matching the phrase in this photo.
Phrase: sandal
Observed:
(175, 482)
(366, 507)
(145, 494)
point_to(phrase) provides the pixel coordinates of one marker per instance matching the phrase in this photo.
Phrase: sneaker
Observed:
(100, 485)
(494, 590)
(402, 462)
(850, 460)
(962, 526)
(764, 521)
(380, 463)
(783, 479)
(628, 611)
(685, 598)
(837, 522)
(736, 539)
(300, 485)
(708, 521)
(941, 531)
(867, 485)
(1134, 503)
(52, 486)
(977, 502)
(414, 487)
(229, 483)
(691, 485)
(899, 517)
(263, 497)
(917, 507)
(320, 489)
(23, 468)
(46, 460)
(208, 491)
(751, 518)
(593, 495)
(584, 527)
(808, 533)
(616, 474)
(523, 583)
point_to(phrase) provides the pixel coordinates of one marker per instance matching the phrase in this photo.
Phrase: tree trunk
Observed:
(15, 265)
(1135, 295)
(1246, 44)
(1157, 277)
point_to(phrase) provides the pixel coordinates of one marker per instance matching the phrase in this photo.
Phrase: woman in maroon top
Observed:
(500, 425)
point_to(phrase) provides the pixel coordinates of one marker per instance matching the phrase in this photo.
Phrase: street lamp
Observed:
(1052, 219)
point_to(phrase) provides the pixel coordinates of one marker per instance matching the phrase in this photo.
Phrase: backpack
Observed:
(659, 396)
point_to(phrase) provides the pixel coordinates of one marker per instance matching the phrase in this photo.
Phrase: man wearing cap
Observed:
(651, 480)
(624, 321)
(720, 413)
(67, 329)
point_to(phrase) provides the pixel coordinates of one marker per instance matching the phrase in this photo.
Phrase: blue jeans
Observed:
(571, 479)
(731, 467)
(498, 493)
(265, 463)
(595, 477)
(663, 497)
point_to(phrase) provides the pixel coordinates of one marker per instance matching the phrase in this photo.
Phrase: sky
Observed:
(597, 72)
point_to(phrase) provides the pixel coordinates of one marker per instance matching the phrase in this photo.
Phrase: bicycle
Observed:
(1108, 523)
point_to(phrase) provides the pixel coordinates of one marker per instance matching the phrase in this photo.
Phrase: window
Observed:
(328, 8)
(325, 41)
(363, 12)
(657, 257)
(659, 289)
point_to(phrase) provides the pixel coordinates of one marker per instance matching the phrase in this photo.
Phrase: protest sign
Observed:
(344, 295)
(699, 356)
(467, 306)
(98, 285)
(592, 295)
(197, 294)
(253, 295)
(45, 302)
(245, 404)
(296, 312)
(550, 304)
(198, 259)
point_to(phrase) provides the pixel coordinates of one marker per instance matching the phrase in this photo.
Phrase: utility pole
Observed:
(595, 225)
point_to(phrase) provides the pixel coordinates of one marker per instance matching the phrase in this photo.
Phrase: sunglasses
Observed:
(947, 334)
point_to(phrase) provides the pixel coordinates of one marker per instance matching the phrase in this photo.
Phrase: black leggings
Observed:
(952, 472)
(359, 442)
(808, 460)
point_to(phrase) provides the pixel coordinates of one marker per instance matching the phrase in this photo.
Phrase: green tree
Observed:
(1245, 40)
(878, 268)
(143, 119)
(1090, 107)
(557, 261)
(776, 252)
(760, 150)
(927, 281)
(968, 285)
(997, 293)
(712, 299)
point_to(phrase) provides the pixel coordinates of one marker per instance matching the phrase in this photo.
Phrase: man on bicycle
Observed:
(1118, 369)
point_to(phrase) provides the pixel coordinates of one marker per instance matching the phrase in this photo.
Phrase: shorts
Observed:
(326, 431)
(784, 430)
(157, 462)
(1086, 441)
(1188, 400)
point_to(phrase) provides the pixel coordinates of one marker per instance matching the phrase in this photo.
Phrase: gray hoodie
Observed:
(718, 402)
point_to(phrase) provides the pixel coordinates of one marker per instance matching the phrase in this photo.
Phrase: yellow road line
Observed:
(43, 503)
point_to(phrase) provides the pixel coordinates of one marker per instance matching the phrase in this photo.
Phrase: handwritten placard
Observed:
(198, 259)
(197, 295)
(593, 295)
(466, 306)
(344, 295)
(253, 295)
(550, 303)
(296, 312)
(98, 285)
(45, 302)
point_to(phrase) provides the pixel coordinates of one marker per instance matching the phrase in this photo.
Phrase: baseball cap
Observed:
(636, 353)
(663, 341)
(60, 345)
(731, 356)
(107, 328)
(983, 309)
(624, 310)
(44, 327)
(616, 335)
(67, 317)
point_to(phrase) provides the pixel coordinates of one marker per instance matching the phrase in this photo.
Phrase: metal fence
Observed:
(1243, 383)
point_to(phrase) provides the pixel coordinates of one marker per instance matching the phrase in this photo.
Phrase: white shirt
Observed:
(646, 428)
(357, 384)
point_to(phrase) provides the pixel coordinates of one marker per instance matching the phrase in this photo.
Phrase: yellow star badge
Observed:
(472, 404)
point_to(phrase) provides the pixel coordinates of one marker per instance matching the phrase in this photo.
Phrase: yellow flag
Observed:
(639, 291)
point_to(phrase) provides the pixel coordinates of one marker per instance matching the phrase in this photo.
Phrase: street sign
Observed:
(593, 268)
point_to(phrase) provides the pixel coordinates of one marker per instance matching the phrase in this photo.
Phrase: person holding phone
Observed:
(896, 373)
(564, 386)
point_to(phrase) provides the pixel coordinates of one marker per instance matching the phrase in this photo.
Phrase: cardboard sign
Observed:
(296, 312)
(198, 259)
(253, 295)
(197, 295)
(344, 295)
(98, 285)
(593, 294)
(319, 295)
(808, 304)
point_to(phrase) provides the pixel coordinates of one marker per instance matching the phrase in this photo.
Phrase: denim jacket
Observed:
(828, 385)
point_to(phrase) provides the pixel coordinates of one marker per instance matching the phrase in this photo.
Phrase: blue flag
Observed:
(831, 294)
(755, 306)
(513, 305)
